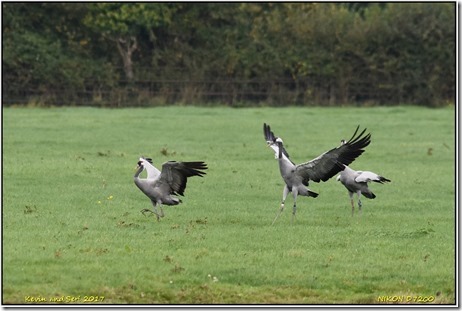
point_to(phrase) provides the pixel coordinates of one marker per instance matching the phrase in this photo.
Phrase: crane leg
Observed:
(294, 209)
(360, 204)
(352, 203)
(158, 215)
(279, 213)
(143, 211)
(284, 196)
(161, 211)
(154, 211)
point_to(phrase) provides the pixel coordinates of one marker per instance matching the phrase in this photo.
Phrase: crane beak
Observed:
(138, 165)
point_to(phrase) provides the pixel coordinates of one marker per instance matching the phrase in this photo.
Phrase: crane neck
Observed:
(138, 171)
(280, 150)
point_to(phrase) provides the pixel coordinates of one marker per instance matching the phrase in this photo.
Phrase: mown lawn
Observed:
(73, 231)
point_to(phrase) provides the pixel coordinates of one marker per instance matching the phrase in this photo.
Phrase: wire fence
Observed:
(232, 92)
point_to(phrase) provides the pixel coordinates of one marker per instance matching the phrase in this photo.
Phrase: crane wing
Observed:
(331, 162)
(269, 135)
(152, 172)
(367, 176)
(271, 140)
(174, 175)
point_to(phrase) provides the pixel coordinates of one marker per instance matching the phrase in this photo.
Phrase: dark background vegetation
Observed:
(238, 54)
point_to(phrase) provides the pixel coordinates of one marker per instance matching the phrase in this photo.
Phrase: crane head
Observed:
(276, 141)
(142, 162)
(275, 145)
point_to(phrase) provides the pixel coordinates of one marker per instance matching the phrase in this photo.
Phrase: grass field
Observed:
(73, 231)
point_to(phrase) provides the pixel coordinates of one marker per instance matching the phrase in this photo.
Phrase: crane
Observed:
(357, 182)
(323, 167)
(161, 186)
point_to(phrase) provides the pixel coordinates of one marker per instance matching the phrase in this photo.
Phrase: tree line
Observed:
(125, 54)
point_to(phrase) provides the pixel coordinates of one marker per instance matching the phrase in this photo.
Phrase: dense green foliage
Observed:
(121, 54)
(72, 224)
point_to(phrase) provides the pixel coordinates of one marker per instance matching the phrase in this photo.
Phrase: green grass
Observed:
(72, 225)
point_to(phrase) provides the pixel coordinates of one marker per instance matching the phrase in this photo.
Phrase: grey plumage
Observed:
(325, 166)
(357, 182)
(161, 186)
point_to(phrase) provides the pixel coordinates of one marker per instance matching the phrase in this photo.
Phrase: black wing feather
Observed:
(269, 135)
(331, 162)
(271, 138)
(147, 159)
(175, 174)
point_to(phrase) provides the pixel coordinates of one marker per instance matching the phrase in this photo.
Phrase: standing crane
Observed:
(160, 186)
(357, 182)
(325, 166)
